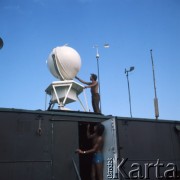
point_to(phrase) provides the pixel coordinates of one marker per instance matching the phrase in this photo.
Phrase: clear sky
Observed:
(30, 30)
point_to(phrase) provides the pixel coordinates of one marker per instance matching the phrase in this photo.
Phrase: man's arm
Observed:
(93, 150)
(94, 83)
(89, 136)
(84, 82)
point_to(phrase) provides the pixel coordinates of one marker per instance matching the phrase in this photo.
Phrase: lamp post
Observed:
(97, 58)
(127, 73)
(156, 109)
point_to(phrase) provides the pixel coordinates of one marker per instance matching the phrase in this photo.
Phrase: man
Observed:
(98, 142)
(94, 91)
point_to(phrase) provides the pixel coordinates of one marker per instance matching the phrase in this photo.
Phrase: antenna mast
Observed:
(155, 98)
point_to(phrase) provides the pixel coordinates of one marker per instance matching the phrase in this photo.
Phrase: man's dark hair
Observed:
(94, 76)
(100, 129)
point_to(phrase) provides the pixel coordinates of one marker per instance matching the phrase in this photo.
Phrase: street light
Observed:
(106, 45)
(156, 109)
(127, 72)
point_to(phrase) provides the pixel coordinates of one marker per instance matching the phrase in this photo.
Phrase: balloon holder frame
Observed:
(65, 92)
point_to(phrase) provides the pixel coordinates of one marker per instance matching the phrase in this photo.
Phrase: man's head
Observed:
(99, 129)
(94, 77)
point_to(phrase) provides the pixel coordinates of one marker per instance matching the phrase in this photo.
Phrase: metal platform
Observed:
(40, 145)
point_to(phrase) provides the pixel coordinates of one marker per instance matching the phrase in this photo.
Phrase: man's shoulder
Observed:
(95, 82)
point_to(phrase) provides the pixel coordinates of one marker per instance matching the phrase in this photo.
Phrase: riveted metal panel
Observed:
(148, 143)
(64, 144)
(25, 170)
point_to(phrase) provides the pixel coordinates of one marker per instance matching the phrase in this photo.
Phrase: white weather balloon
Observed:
(64, 62)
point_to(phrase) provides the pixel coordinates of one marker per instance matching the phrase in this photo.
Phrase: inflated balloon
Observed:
(64, 62)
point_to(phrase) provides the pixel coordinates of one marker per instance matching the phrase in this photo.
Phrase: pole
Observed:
(156, 109)
(129, 92)
(97, 57)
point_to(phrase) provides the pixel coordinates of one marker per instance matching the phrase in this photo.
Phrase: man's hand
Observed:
(79, 151)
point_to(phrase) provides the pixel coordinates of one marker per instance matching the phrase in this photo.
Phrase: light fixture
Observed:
(126, 72)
